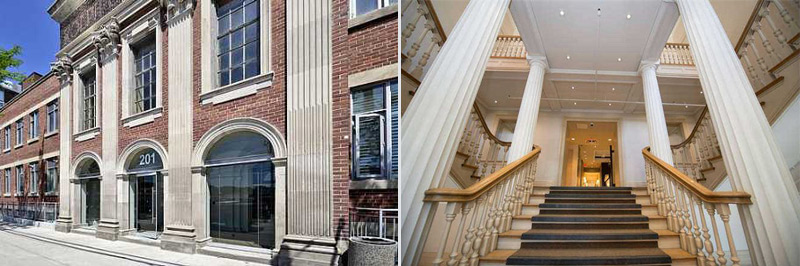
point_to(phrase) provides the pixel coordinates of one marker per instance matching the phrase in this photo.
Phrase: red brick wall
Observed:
(268, 104)
(83, 17)
(341, 117)
(44, 145)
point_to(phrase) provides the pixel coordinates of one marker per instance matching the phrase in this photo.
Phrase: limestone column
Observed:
(522, 142)
(179, 231)
(63, 69)
(752, 159)
(654, 110)
(436, 116)
(107, 43)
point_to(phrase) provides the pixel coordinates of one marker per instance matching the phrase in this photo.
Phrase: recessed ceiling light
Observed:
(701, 92)
(628, 16)
(495, 101)
(609, 139)
(573, 138)
(573, 87)
(568, 58)
(609, 104)
(686, 106)
(613, 89)
(619, 59)
(561, 12)
(575, 103)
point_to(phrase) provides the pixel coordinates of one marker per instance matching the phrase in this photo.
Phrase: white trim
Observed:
(372, 75)
(142, 118)
(237, 90)
(136, 146)
(33, 140)
(84, 156)
(29, 160)
(87, 134)
(134, 33)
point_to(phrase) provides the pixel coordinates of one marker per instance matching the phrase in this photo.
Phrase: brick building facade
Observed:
(205, 125)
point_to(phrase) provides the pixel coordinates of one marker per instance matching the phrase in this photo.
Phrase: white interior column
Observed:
(436, 116)
(179, 234)
(752, 159)
(522, 142)
(654, 110)
(63, 69)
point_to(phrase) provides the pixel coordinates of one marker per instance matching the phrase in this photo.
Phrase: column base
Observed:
(108, 230)
(64, 224)
(304, 250)
(179, 239)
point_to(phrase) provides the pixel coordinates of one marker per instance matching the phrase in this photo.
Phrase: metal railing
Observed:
(374, 222)
(34, 211)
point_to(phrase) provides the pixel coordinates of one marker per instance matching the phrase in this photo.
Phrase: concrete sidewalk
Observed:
(96, 251)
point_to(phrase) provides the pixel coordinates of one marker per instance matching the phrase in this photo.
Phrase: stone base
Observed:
(64, 225)
(107, 231)
(179, 240)
(302, 250)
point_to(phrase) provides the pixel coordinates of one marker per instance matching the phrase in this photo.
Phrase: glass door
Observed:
(149, 204)
(91, 205)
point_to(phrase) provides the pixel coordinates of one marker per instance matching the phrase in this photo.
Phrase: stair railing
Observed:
(683, 201)
(694, 154)
(677, 54)
(770, 39)
(484, 149)
(421, 38)
(483, 210)
(509, 47)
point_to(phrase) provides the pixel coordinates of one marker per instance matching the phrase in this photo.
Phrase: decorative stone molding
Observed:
(63, 69)
(107, 40)
(177, 8)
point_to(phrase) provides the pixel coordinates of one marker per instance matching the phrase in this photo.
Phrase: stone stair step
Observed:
(589, 234)
(588, 256)
(590, 205)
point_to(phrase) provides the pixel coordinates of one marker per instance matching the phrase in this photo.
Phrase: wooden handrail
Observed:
(486, 127)
(749, 25)
(476, 190)
(729, 197)
(694, 130)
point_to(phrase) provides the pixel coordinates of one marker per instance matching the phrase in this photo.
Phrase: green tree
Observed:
(8, 59)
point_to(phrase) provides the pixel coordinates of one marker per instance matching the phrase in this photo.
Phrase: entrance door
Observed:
(91, 202)
(149, 203)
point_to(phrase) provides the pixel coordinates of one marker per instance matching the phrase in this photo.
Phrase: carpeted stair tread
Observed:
(589, 218)
(592, 192)
(575, 195)
(589, 234)
(590, 200)
(591, 205)
(589, 188)
(582, 244)
(619, 256)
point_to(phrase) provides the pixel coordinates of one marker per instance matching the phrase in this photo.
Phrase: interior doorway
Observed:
(591, 154)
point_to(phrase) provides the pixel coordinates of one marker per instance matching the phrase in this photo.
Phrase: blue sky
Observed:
(27, 24)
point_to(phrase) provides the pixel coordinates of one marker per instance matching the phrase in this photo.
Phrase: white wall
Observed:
(786, 129)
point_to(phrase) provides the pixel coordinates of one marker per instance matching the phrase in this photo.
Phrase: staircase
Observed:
(589, 226)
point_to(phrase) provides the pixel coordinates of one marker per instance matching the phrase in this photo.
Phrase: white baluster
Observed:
(412, 52)
(450, 215)
(412, 25)
(776, 31)
(725, 214)
(787, 18)
(766, 43)
(464, 213)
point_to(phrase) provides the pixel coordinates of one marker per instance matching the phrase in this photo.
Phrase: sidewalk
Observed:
(132, 252)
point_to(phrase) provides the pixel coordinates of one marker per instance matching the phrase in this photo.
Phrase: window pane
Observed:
(251, 69)
(368, 100)
(224, 44)
(395, 128)
(224, 61)
(242, 203)
(236, 74)
(365, 6)
(237, 18)
(369, 146)
(237, 57)
(240, 146)
(237, 38)
(251, 11)
(224, 78)
(251, 32)
(224, 24)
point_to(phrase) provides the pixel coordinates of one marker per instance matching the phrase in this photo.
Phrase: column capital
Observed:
(177, 8)
(539, 60)
(63, 69)
(644, 65)
(107, 40)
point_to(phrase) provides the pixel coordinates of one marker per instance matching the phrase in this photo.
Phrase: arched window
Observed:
(88, 168)
(241, 180)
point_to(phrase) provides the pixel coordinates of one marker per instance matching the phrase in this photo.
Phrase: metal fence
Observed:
(35, 211)
(374, 222)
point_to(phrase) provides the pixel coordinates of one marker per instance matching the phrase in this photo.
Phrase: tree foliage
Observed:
(8, 59)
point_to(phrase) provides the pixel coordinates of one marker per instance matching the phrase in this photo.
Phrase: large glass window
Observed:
(52, 175)
(360, 7)
(7, 139)
(20, 126)
(52, 116)
(144, 94)
(237, 40)
(20, 180)
(375, 131)
(89, 102)
(34, 121)
(241, 180)
(8, 181)
(34, 185)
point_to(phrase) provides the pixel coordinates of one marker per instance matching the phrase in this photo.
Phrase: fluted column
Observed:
(522, 142)
(654, 110)
(435, 119)
(107, 44)
(179, 231)
(752, 159)
(63, 69)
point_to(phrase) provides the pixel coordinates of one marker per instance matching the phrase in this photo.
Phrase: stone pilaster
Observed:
(654, 110)
(63, 69)
(522, 142)
(107, 43)
(435, 119)
(752, 159)
(179, 234)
